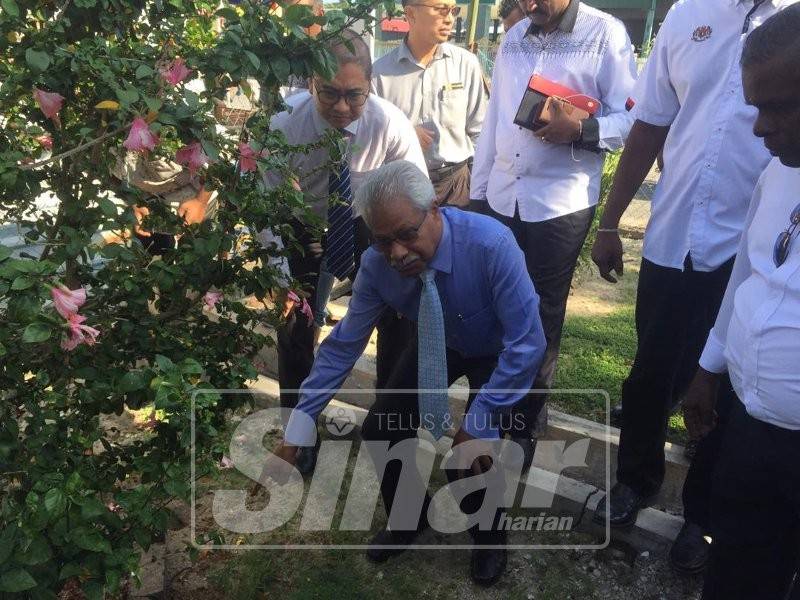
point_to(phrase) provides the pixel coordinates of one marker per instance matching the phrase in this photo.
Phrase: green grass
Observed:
(596, 353)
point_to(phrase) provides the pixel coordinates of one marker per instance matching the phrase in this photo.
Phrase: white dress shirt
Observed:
(757, 333)
(512, 166)
(382, 134)
(447, 96)
(693, 83)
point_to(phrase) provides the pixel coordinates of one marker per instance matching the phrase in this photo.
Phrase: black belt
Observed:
(437, 175)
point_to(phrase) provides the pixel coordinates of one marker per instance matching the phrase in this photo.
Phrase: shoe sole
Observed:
(626, 524)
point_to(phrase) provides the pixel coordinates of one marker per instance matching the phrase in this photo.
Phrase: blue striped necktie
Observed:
(339, 243)
(432, 359)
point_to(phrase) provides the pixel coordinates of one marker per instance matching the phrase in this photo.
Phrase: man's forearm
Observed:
(644, 143)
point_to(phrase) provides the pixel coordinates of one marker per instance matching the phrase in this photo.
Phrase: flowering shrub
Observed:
(88, 327)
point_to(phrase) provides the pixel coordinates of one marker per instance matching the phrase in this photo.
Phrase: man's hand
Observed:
(483, 462)
(140, 212)
(425, 137)
(279, 465)
(698, 405)
(607, 254)
(563, 128)
(193, 211)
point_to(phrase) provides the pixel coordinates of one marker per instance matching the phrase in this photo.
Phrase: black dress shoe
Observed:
(486, 566)
(622, 505)
(377, 551)
(528, 446)
(615, 418)
(306, 459)
(689, 553)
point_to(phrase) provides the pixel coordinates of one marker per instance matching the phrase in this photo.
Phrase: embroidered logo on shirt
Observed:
(702, 33)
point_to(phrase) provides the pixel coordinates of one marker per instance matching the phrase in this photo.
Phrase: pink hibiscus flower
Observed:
(140, 138)
(79, 333)
(175, 72)
(192, 156)
(211, 298)
(67, 301)
(305, 308)
(49, 103)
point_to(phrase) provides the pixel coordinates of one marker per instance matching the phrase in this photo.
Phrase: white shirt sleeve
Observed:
(485, 147)
(476, 93)
(616, 80)
(713, 357)
(656, 101)
(403, 143)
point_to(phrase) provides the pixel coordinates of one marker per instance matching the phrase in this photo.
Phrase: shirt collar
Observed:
(442, 260)
(567, 22)
(405, 53)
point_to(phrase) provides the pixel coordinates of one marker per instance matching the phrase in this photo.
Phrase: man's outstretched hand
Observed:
(698, 405)
(279, 465)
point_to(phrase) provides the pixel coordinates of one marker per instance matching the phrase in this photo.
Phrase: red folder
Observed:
(550, 88)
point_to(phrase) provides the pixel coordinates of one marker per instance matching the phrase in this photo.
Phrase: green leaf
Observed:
(22, 283)
(153, 104)
(107, 207)
(228, 14)
(92, 507)
(90, 539)
(37, 60)
(191, 367)
(3, 350)
(36, 553)
(55, 502)
(128, 96)
(280, 67)
(253, 59)
(133, 380)
(70, 570)
(7, 542)
(164, 363)
(10, 7)
(144, 72)
(17, 580)
(5, 252)
(36, 332)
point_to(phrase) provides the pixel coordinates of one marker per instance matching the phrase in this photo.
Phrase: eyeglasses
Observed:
(382, 243)
(353, 98)
(784, 240)
(443, 9)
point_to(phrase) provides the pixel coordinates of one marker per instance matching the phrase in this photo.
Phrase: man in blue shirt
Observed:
(462, 278)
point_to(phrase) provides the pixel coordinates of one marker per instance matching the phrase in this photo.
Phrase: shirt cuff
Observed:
(301, 430)
(590, 135)
(479, 421)
(713, 357)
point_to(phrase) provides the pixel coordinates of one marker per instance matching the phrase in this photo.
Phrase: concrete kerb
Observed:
(653, 531)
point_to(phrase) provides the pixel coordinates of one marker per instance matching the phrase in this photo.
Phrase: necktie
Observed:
(432, 369)
(340, 241)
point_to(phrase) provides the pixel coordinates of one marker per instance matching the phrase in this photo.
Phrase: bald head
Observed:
(771, 83)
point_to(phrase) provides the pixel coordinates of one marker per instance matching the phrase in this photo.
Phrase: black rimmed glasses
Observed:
(383, 242)
(443, 9)
(784, 240)
(331, 97)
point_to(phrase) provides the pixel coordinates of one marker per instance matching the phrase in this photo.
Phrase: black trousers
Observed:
(675, 310)
(755, 525)
(296, 337)
(551, 251)
(395, 417)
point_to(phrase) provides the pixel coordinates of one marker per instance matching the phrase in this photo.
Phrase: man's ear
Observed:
(409, 13)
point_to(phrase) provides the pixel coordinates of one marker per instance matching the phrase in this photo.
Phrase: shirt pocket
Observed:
(454, 108)
(476, 329)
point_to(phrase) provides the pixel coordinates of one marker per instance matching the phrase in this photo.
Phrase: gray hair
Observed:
(776, 37)
(397, 179)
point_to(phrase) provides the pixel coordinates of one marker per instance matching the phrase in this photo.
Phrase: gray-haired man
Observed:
(462, 278)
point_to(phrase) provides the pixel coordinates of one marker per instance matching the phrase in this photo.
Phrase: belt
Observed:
(437, 175)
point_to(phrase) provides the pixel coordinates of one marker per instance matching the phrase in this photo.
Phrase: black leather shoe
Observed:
(615, 418)
(689, 553)
(622, 504)
(377, 551)
(486, 566)
(528, 446)
(306, 459)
